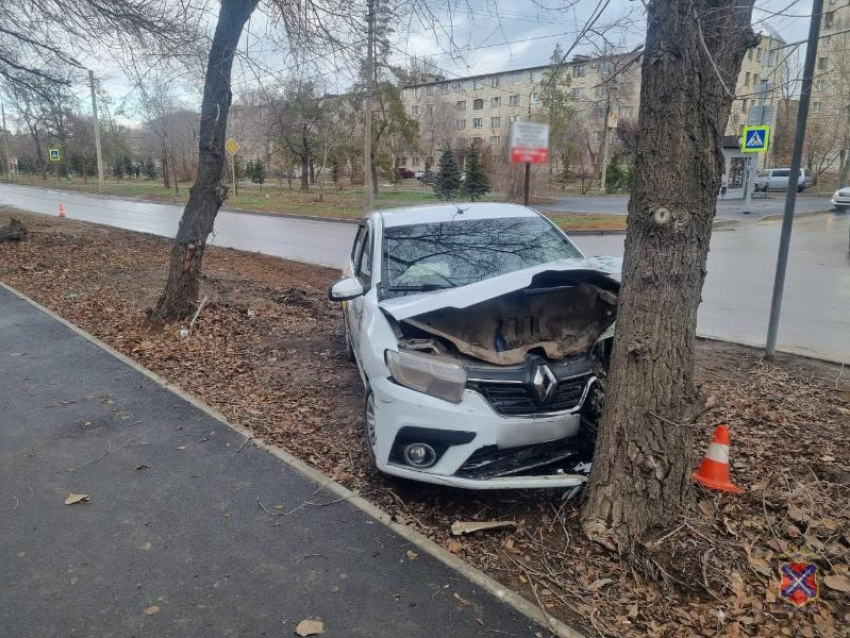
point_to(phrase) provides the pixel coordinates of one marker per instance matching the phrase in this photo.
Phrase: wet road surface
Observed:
(736, 297)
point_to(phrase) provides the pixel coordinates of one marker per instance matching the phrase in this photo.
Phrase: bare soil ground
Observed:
(267, 351)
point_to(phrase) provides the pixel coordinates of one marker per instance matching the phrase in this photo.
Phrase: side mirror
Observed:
(345, 289)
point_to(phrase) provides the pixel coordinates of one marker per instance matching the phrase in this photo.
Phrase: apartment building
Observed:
(456, 113)
(831, 86)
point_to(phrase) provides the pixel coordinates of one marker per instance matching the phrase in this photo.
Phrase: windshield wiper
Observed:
(421, 287)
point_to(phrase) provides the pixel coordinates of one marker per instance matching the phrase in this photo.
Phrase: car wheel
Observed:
(756, 188)
(369, 432)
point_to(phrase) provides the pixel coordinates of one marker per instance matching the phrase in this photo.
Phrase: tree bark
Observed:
(13, 231)
(206, 196)
(642, 465)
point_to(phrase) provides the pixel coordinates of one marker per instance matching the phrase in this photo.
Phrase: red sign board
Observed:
(529, 142)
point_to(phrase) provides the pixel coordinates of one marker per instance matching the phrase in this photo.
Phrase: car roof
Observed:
(437, 213)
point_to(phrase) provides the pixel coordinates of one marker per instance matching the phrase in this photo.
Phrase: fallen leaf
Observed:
(454, 547)
(761, 566)
(181, 447)
(596, 585)
(467, 527)
(150, 611)
(72, 498)
(412, 555)
(837, 582)
(706, 507)
(310, 627)
(142, 467)
(797, 514)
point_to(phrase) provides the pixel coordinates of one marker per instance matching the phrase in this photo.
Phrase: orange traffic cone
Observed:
(713, 472)
(61, 211)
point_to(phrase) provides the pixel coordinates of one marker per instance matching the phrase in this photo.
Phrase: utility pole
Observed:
(368, 200)
(793, 179)
(6, 145)
(96, 133)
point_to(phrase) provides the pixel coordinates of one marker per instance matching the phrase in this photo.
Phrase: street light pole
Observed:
(793, 179)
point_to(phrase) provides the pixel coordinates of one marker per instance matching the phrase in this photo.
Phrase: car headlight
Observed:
(428, 374)
(836, 194)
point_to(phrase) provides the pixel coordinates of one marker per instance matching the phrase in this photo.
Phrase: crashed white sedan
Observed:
(481, 333)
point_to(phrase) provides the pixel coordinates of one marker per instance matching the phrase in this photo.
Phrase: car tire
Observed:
(370, 437)
(756, 188)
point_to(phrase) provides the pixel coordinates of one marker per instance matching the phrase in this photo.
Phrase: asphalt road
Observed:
(731, 207)
(174, 541)
(816, 310)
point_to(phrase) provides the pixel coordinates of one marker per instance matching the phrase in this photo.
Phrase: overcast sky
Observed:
(466, 37)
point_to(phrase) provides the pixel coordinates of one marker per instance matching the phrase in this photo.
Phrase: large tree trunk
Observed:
(642, 466)
(208, 193)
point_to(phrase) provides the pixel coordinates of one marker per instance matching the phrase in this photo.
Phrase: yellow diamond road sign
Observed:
(232, 146)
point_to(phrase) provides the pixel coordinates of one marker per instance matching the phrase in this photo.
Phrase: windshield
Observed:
(461, 252)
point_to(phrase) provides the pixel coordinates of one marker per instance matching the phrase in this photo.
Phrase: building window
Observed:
(429, 109)
(513, 100)
(625, 112)
(415, 92)
(414, 110)
(495, 122)
(599, 112)
(747, 79)
(816, 107)
(460, 124)
(516, 78)
(758, 54)
(578, 93)
(744, 105)
(626, 88)
(494, 81)
(578, 70)
(535, 76)
(599, 91)
(600, 137)
(478, 122)
(750, 54)
(478, 85)
(823, 63)
(828, 19)
(495, 102)
(456, 87)
(444, 88)
(429, 90)
(495, 140)
(513, 118)
(819, 85)
(477, 105)
(535, 98)
(756, 79)
(460, 105)
(826, 41)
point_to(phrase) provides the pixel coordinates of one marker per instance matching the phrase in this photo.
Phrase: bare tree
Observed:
(642, 465)
(821, 149)
(208, 193)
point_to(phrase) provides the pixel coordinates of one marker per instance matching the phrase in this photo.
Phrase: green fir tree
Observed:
(476, 185)
(258, 175)
(447, 183)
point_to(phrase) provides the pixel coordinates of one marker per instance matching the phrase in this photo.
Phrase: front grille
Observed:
(510, 390)
(490, 461)
(512, 399)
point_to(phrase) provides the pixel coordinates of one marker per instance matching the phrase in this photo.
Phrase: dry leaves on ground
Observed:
(267, 351)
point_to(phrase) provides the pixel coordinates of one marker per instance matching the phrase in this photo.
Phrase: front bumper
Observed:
(397, 407)
(840, 201)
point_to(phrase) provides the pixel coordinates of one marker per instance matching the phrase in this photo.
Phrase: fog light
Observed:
(420, 455)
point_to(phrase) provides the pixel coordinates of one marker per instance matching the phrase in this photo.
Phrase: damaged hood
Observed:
(560, 308)
(401, 308)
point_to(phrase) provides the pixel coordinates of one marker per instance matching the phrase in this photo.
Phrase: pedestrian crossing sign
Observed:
(755, 139)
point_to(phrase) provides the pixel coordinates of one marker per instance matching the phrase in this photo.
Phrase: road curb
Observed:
(777, 217)
(476, 576)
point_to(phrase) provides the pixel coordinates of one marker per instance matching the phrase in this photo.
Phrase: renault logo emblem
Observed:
(544, 383)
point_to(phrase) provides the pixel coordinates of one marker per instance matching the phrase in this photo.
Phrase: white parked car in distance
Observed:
(776, 179)
(481, 334)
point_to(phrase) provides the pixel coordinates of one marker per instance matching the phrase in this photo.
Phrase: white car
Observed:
(481, 334)
(841, 199)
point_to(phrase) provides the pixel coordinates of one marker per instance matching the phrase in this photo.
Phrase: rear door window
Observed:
(781, 172)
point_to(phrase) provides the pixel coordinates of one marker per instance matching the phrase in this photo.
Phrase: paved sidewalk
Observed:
(173, 542)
